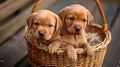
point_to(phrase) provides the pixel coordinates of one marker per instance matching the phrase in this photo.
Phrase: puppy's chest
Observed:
(79, 39)
(73, 39)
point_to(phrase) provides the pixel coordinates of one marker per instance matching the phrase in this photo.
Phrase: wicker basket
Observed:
(39, 57)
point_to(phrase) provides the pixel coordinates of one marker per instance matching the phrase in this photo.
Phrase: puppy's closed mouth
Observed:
(77, 33)
(40, 38)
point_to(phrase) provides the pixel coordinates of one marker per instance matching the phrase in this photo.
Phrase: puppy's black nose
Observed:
(77, 28)
(41, 33)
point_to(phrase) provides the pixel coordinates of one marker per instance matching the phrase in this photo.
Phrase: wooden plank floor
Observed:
(13, 52)
(113, 52)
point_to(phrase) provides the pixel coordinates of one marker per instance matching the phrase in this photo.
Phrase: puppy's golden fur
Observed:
(44, 27)
(75, 18)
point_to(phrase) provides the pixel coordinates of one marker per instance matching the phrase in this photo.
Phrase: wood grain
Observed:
(13, 25)
(113, 51)
(11, 6)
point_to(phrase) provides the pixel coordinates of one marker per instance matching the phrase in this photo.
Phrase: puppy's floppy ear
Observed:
(30, 19)
(90, 17)
(58, 24)
(62, 13)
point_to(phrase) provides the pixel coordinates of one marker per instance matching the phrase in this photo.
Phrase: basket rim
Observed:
(105, 41)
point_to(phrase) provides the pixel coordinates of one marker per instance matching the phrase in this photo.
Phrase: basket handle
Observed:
(36, 6)
(104, 22)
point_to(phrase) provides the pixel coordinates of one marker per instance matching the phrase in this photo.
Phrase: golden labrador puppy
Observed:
(75, 19)
(44, 27)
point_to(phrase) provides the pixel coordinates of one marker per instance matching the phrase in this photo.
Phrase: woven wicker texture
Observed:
(39, 57)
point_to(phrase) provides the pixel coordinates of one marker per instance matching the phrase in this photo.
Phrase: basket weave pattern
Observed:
(39, 56)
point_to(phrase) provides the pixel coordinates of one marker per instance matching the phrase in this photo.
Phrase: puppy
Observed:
(75, 18)
(43, 27)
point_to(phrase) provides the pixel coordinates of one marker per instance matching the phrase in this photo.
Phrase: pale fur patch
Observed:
(93, 38)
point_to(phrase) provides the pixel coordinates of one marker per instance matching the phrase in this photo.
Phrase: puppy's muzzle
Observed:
(41, 33)
(77, 29)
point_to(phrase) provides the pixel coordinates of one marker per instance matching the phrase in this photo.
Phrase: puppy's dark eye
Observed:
(84, 20)
(50, 25)
(37, 23)
(72, 18)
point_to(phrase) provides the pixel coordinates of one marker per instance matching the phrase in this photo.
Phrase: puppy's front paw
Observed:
(52, 48)
(72, 55)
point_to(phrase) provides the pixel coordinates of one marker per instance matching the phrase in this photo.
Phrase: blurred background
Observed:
(13, 14)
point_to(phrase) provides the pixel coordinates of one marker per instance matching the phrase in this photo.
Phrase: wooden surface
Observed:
(11, 6)
(14, 11)
(13, 49)
(113, 52)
